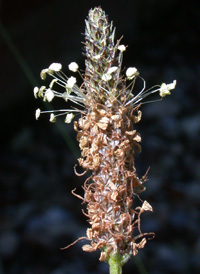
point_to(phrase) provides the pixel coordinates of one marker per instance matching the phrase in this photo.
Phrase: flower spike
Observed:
(108, 111)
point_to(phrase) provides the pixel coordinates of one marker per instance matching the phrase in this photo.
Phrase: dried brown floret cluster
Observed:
(107, 138)
(108, 142)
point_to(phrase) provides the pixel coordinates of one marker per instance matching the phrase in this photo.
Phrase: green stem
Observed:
(115, 263)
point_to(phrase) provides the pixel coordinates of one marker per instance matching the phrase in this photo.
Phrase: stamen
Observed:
(71, 82)
(73, 66)
(37, 114)
(121, 48)
(131, 73)
(69, 118)
(52, 83)
(52, 118)
(60, 82)
(55, 67)
(49, 95)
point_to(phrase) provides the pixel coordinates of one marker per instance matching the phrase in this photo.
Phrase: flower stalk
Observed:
(115, 264)
(107, 139)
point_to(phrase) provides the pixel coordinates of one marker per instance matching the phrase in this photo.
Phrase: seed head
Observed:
(107, 137)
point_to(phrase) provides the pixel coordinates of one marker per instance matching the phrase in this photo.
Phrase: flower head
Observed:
(107, 137)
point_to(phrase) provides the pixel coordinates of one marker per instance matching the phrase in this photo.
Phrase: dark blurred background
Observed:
(38, 212)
